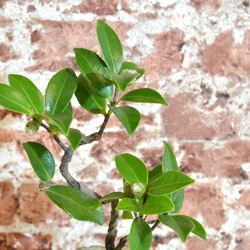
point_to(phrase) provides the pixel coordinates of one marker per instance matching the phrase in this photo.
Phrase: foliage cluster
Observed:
(97, 88)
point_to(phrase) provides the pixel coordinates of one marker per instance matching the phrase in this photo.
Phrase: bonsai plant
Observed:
(100, 88)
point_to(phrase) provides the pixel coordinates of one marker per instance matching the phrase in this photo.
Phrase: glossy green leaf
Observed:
(74, 136)
(170, 182)
(110, 45)
(177, 198)
(59, 91)
(113, 196)
(128, 116)
(168, 160)
(154, 175)
(93, 67)
(123, 80)
(102, 85)
(126, 215)
(68, 110)
(157, 205)
(140, 236)
(128, 204)
(62, 121)
(144, 95)
(181, 225)
(29, 90)
(133, 66)
(132, 169)
(41, 160)
(88, 96)
(199, 229)
(13, 100)
(169, 163)
(76, 203)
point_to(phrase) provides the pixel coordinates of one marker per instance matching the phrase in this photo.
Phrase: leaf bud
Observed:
(138, 189)
(128, 72)
(31, 127)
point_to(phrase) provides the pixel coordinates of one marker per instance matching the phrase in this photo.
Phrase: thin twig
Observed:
(112, 230)
(63, 147)
(105, 122)
(151, 221)
(122, 242)
(155, 225)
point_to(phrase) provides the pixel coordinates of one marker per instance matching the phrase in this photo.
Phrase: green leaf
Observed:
(126, 215)
(62, 121)
(123, 80)
(168, 160)
(132, 169)
(145, 95)
(102, 85)
(170, 182)
(177, 198)
(74, 136)
(181, 225)
(199, 229)
(133, 66)
(29, 90)
(59, 91)
(93, 67)
(140, 237)
(13, 100)
(113, 196)
(157, 205)
(88, 96)
(154, 175)
(128, 116)
(169, 163)
(128, 204)
(110, 45)
(41, 160)
(76, 203)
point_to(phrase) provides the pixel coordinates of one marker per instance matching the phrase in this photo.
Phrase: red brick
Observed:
(183, 120)
(25, 242)
(221, 162)
(98, 7)
(9, 203)
(6, 53)
(36, 208)
(223, 57)
(65, 36)
(198, 4)
(205, 200)
(167, 48)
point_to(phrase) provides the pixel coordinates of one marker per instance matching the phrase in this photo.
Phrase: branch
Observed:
(64, 169)
(122, 242)
(112, 231)
(105, 122)
(63, 147)
(155, 225)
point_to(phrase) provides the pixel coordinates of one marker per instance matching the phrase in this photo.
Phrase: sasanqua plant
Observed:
(99, 89)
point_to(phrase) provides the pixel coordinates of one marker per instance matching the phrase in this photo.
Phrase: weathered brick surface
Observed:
(9, 203)
(23, 242)
(196, 54)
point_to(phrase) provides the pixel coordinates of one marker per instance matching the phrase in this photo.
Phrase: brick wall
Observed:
(196, 54)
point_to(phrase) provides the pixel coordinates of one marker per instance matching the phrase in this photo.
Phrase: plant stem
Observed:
(105, 122)
(112, 230)
(122, 242)
(64, 169)
(155, 225)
